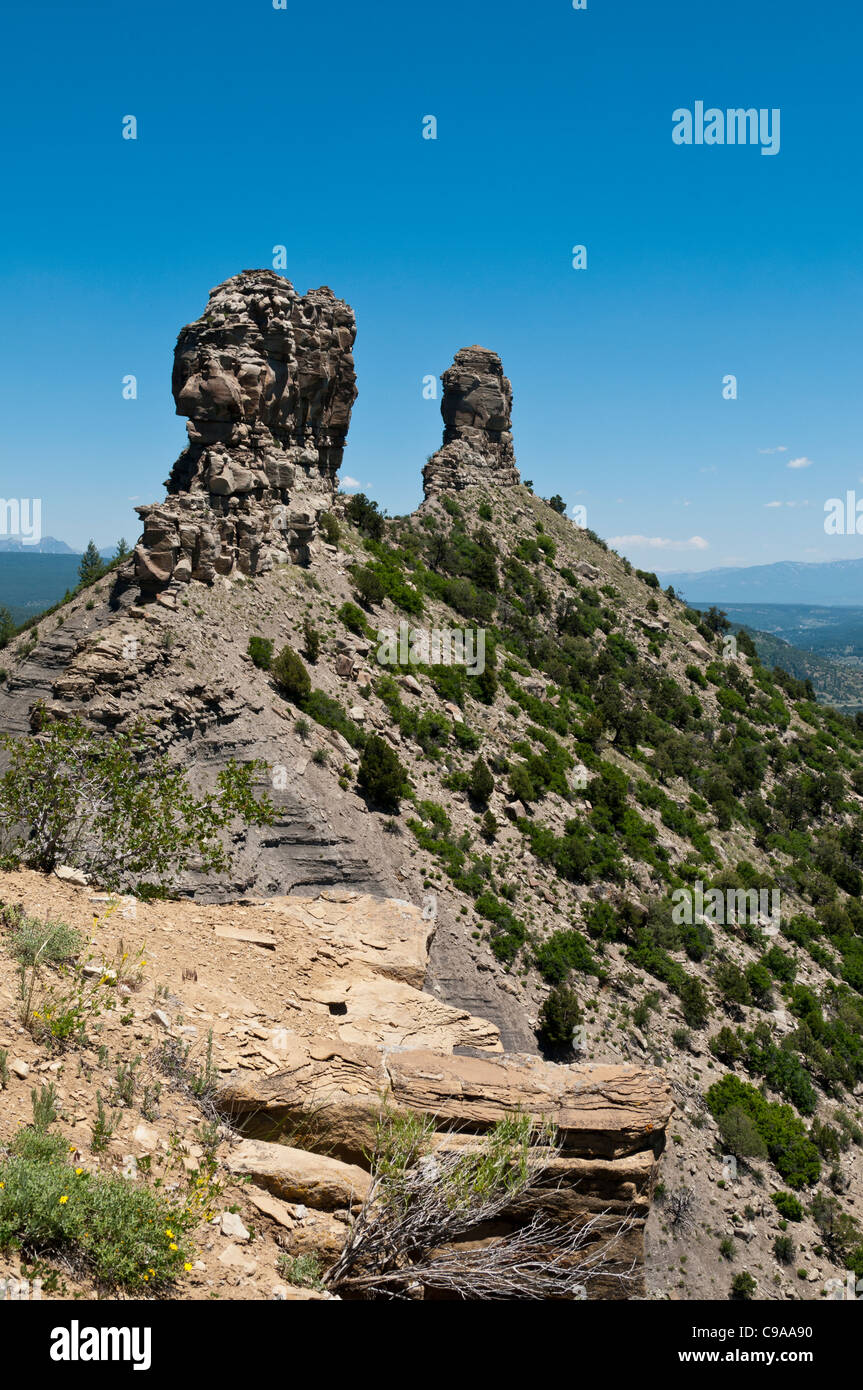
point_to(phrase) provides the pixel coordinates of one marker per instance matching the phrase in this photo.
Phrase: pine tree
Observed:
(91, 567)
(481, 783)
(7, 626)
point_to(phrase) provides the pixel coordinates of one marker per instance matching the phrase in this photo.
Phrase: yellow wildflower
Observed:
(63, 1201)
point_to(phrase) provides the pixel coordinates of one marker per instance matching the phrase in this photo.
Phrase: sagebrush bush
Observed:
(33, 941)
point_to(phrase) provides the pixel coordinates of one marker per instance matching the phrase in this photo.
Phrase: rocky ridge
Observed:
(114, 655)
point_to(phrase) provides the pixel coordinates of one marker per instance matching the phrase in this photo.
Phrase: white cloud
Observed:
(347, 481)
(773, 504)
(779, 449)
(802, 462)
(658, 543)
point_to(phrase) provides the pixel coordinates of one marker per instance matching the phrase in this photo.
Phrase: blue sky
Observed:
(303, 127)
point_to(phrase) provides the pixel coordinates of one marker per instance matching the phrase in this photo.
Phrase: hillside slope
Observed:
(614, 758)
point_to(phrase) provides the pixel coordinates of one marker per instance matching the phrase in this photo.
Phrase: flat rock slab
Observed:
(253, 938)
(296, 1175)
(600, 1111)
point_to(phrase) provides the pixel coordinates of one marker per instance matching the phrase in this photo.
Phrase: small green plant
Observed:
(480, 782)
(261, 651)
(727, 1248)
(290, 675)
(125, 1080)
(329, 528)
(312, 639)
(44, 1104)
(34, 942)
(127, 1236)
(303, 1271)
(788, 1206)
(103, 1125)
(743, 1286)
(783, 1249)
(354, 619)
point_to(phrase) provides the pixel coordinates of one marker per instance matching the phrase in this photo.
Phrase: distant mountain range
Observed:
(48, 545)
(838, 583)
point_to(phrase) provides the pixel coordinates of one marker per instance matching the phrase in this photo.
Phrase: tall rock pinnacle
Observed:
(477, 439)
(267, 380)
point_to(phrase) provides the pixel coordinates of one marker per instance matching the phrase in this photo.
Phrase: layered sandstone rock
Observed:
(599, 1111)
(296, 1175)
(609, 1121)
(266, 377)
(477, 440)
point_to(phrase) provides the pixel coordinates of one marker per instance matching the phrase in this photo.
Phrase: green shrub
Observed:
(381, 774)
(329, 528)
(743, 1286)
(726, 1046)
(353, 619)
(563, 951)
(369, 586)
(508, 934)
(783, 1249)
(365, 516)
(739, 1134)
(559, 1017)
(261, 651)
(789, 1147)
(696, 1007)
(290, 675)
(481, 782)
(312, 639)
(326, 710)
(521, 784)
(115, 808)
(126, 1235)
(36, 942)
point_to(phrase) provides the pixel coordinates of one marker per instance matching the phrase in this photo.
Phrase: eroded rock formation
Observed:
(477, 442)
(266, 377)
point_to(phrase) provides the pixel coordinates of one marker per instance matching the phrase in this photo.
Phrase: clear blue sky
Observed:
(259, 126)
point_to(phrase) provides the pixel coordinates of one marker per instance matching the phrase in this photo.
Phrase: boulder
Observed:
(297, 1175)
